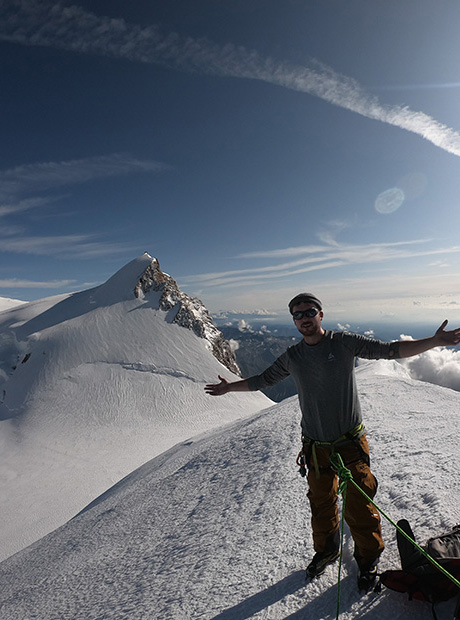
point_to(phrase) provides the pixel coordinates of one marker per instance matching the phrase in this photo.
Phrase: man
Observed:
(322, 365)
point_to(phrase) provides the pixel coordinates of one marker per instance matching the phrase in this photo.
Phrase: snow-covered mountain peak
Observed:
(95, 383)
(182, 309)
(122, 284)
(143, 279)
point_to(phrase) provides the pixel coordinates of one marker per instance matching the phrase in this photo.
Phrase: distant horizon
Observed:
(440, 366)
(388, 327)
(382, 330)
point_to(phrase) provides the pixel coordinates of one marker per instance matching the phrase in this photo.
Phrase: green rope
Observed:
(345, 475)
(343, 492)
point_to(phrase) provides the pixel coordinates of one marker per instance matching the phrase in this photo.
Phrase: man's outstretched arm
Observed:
(442, 338)
(224, 387)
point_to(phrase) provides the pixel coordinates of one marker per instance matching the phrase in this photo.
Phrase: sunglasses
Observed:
(310, 313)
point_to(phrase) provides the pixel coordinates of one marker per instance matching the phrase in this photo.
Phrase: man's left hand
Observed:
(447, 338)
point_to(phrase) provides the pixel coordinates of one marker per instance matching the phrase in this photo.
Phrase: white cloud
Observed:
(286, 252)
(36, 178)
(438, 366)
(387, 315)
(327, 247)
(72, 28)
(16, 185)
(15, 283)
(329, 234)
(317, 258)
(68, 246)
(234, 345)
(22, 205)
(6, 231)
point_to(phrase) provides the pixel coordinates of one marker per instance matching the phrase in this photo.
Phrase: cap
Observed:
(308, 298)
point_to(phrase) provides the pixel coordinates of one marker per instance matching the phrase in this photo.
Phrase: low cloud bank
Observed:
(438, 366)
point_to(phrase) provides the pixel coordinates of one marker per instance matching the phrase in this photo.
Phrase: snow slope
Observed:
(216, 528)
(6, 303)
(95, 384)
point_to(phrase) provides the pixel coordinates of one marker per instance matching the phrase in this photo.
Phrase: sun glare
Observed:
(390, 200)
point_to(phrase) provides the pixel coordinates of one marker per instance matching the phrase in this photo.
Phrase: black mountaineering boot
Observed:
(367, 572)
(366, 579)
(320, 560)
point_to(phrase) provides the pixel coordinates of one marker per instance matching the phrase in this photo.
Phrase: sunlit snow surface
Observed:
(217, 528)
(93, 385)
(6, 303)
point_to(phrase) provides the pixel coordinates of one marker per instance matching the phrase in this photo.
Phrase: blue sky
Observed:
(257, 148)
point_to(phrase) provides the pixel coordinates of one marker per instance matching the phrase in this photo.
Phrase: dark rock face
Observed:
(186, 311)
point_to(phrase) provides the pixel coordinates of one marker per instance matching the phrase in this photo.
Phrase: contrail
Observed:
(72, 28)
(434, 86)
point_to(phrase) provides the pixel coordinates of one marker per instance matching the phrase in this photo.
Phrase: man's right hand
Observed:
(218, 389)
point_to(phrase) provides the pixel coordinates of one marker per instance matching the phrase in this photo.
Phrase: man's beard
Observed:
(308, 328)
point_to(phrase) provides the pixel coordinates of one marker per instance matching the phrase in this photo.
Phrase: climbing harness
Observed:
(312, 444)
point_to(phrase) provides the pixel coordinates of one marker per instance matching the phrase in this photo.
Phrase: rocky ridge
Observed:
(186, 311)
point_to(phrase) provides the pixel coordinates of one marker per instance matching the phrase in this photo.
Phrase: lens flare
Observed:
(390, 200)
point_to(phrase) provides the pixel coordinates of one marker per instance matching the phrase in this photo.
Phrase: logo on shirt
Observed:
(330, 357)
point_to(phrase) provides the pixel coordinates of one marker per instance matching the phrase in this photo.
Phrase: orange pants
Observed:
(361, 516)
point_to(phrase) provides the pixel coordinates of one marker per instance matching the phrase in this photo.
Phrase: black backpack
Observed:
(421, 579)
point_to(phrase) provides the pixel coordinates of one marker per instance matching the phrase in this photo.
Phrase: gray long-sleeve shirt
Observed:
(325, 380)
